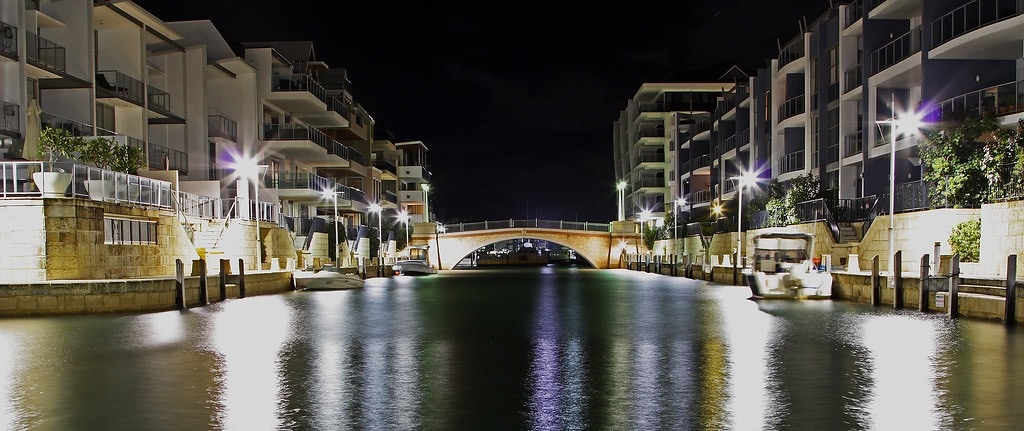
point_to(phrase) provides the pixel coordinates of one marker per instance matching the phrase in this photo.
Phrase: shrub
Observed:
(966, 240)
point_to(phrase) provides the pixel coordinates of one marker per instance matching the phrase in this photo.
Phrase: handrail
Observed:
(972, 16)
(893, 52)
(534, 223)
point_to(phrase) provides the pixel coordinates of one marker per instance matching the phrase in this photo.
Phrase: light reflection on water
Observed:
(526, 349)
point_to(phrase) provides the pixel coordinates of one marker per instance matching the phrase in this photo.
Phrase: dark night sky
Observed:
(514, 99)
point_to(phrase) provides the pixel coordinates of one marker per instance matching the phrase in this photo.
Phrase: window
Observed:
(833, 65)
(105, 117)
(121, 231)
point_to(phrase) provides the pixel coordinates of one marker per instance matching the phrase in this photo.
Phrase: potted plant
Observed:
(54, 144)
(99, 152)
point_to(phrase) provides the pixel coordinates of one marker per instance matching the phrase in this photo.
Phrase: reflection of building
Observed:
(195, 104)
(816, 107)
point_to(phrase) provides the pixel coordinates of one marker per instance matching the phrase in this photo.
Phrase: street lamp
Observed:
(426, 207)
(681, 202)
(248, 168)
(376, 208)
(621, 188)
(910, 123)
(746, 179)
(337, 240)
(404, 216)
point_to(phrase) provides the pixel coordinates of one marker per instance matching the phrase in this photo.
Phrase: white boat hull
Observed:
(414, 267)
(811, 285)
(326, 280)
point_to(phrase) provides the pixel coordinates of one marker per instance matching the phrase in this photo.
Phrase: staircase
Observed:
(209, 235)
(847, 234)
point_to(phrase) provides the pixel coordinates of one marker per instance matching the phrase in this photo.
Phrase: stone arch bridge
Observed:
(600, 244)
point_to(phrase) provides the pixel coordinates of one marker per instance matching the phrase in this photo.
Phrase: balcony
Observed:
(9, 41)
(220, 126)
(854, 78)
(111, 84)
(45, 55)
(335, 116)
(10, 119)
(1005, 99)
(832, 154)
(121, 188)
(298, 93)
(160, 103)
(792, 162)
(651, 157)
(310, 145)
(299, 186)
(351, 198)
(988, 29)
(743, 138)
(791, 108)
(792, 52)
(121, 138)
(894, 9)
(855, 11)
(386, 167)
(700, 162)
(700, 127)
(75, 128)
(728, 144)
(853, 144)
(418, 174)
(648, 182)
(161, 158)
(899, 49)
(700, 197)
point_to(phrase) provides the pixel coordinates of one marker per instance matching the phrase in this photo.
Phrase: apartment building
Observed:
(825, 104)
(200, 106)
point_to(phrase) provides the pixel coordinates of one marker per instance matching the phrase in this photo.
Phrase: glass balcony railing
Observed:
(161, 157)
(893, 52)
(792, 107)
(385, 166)
(301, 132)
(121, 138)
(124, 86)
(10, 119)
(75, 128)
(8, 39)
(1000, 100)
(220, 126)
(44, 53)
(299, 82)
(831, 153)
(158, 99)
(351, 194)
(701, 161)
(701, 196)
(854, 12)
(298, 180)
(854, 78)
(791, 52)
(792, 162)
(971, 16)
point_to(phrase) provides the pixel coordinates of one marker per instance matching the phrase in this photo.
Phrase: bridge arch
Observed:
(594, 247)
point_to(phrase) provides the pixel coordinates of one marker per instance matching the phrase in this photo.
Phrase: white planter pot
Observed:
(100, 190)
(52, 184)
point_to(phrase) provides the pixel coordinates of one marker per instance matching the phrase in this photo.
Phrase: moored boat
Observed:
(326, 278)
(418, 262)
(783, 269)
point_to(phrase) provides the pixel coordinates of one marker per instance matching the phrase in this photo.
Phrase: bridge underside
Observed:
(597, 248)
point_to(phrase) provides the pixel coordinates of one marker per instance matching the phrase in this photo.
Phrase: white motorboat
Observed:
(418, 262)
(326, 278)
(783, 269)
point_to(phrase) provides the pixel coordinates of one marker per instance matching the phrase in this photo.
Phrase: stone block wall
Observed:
(1002, 234)
(915, 234)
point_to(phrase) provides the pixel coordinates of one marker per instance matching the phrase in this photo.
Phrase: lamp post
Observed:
(745, 179)
(337, 239)
(645, 217)
(621, 188)
(249, 169)
(376, 208)
(909, 122)
(426, 207)
(404, 216)
(681, 202)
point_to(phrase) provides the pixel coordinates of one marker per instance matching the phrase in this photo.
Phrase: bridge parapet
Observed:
(534, 223)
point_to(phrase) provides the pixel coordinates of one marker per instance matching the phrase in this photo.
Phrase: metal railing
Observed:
(854, 78)
(159, 99)
(792, 107)
(220, 126)
(792, 162)
(855, 11)
(124, 86)
(199, 206)
(851, 210)
(832, 153)
(743, 138)
(177, 160)
(701, 196)
(301, 132)
(1003, 99)
(792, 51)
(728, 144)
(897, 50)
(75, 128)
(534, 223)
(701, 161)
(299, 82)
(648, 182)
(121, 138)
(971, 16)
(298, 180)
(86, 182)
(44, 53)
(8, 39)
(351, 194)
(337, 105)
(247, 209)
(814, 211)
(651, 157)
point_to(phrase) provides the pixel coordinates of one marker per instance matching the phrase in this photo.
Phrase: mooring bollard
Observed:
(1010, 309)
(923, 297)
(179, 284)
(897, 279)
(241, 278)
(222, 279)
(954, 286)
(876, 284)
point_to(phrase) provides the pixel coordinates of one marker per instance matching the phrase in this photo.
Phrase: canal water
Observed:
(529, 348)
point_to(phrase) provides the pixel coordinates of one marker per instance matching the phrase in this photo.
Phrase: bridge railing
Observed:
(535, 223)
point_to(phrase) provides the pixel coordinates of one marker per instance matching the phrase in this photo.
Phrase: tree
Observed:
(965, 240)
(954, 160)
(780, 199)
(653, 234)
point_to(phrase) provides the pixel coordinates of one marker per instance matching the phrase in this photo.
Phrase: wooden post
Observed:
(735, 265)
(1010, 310)
(179, 284)
(241, 278)
(202, 277)
(222, 280)
(923, 297)
(876, 285)
(954, 286)
(897, 279)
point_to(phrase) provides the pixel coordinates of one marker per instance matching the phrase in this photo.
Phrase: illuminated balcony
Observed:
(980, 29)
(298, 93)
